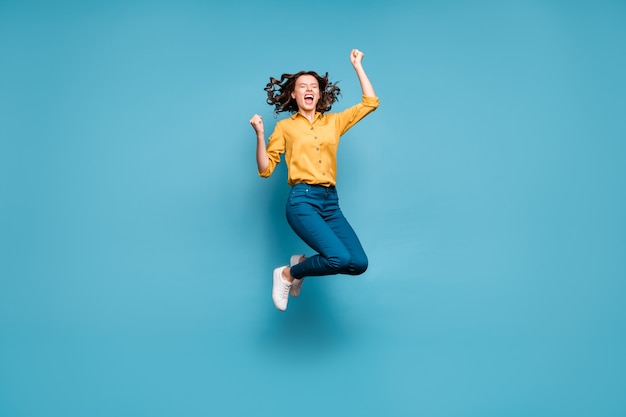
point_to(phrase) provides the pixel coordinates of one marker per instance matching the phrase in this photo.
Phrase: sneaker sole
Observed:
(277, 281)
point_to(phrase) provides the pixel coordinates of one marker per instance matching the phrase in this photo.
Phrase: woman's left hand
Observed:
(356, 56)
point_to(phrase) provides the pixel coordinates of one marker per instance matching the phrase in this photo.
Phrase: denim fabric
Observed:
(313, 213)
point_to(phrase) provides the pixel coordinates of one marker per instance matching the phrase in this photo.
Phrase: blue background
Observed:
(137, 241)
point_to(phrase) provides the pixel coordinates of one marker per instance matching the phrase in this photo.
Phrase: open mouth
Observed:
(308, 98)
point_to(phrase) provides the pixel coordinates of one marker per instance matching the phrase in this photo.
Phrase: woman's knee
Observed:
(344, 264)
(358, 265)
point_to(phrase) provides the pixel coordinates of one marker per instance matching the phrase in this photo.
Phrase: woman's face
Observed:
(306, 92)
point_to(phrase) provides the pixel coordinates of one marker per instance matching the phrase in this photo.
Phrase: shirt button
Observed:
(320, 161)
(311, 127)
(317, 149)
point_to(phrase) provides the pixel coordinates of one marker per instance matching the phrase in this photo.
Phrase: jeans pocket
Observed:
(298, 192)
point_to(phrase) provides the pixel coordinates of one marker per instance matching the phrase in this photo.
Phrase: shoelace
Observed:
(284, 291)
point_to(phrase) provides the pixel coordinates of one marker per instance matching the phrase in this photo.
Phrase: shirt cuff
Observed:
(370, 101)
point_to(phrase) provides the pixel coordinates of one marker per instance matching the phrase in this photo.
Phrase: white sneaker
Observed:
(280, 289)
(296, 285)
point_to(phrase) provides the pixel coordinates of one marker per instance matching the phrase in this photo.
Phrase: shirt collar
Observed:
(296, 114)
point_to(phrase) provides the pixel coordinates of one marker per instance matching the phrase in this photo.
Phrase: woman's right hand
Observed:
(257, 124)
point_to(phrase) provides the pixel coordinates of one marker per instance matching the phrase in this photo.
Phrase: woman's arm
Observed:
(262, 159)
(356, 57)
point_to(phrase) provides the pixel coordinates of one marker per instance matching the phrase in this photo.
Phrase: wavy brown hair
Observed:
(279, 92)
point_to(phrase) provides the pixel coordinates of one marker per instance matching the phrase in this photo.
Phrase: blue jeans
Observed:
(313, 213)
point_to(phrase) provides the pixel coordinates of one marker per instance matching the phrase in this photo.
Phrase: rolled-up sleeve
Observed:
(351, 116)
(275, 148)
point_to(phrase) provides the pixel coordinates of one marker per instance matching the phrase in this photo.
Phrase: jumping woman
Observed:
(309, 140)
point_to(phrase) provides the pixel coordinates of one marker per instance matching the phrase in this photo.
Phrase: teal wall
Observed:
(137, 241)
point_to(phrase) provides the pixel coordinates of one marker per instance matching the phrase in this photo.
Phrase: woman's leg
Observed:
(314, 214)
(358, 259)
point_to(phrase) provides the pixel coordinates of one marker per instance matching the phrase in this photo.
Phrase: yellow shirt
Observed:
(311, 148)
